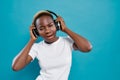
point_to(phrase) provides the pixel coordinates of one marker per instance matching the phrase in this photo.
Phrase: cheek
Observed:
(41, 33)
(53, 29)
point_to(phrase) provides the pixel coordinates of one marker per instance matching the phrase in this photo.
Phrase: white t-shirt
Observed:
(54, 59)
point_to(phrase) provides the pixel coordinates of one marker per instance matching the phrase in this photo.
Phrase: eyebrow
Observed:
(46, 25)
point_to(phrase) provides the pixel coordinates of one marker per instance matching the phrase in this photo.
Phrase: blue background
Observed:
(96, 20)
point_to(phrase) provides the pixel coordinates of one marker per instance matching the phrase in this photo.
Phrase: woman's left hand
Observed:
(62, 23)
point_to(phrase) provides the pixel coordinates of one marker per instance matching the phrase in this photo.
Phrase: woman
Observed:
(53, 53)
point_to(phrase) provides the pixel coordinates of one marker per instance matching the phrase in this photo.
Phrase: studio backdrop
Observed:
(96, 20)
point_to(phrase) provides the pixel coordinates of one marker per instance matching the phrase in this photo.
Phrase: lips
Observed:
(49, 36)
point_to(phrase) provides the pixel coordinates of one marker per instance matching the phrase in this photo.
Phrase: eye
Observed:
(50, 25)
(41, 28)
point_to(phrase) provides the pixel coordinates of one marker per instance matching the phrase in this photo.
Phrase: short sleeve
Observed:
(33, 51)
(70, 42)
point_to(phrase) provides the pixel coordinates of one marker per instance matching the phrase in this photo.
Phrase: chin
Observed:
(50, 39)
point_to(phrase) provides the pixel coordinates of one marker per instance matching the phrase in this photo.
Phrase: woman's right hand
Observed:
(31, 33)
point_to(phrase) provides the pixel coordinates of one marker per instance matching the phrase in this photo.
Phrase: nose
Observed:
(47, 30)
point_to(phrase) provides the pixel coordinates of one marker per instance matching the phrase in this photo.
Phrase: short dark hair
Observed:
(39, 14)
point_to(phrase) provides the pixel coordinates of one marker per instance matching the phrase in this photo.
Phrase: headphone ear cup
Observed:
(58, 25)
(35, 32)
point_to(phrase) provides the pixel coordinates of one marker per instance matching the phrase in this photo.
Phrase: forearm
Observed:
(20, 60)
(81, 43)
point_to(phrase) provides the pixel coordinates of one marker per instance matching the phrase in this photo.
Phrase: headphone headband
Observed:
(52, 13)
(44, 11)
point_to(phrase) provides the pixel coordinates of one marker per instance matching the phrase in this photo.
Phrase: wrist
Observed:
(66, 30)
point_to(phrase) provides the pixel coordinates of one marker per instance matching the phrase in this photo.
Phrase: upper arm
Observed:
(29, 59)
(76, 48)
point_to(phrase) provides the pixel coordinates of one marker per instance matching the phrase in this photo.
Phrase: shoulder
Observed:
(36, 45)
(67, 38)
(64, 37)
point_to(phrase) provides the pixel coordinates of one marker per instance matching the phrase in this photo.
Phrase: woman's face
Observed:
(46, 28)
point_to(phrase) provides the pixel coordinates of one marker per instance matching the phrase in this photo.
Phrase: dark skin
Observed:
(47, 30)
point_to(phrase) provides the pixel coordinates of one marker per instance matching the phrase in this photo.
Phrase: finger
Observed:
(32, 35)
(32, 27)
(58, 19)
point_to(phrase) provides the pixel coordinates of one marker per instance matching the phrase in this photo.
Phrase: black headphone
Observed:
(57, 24)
